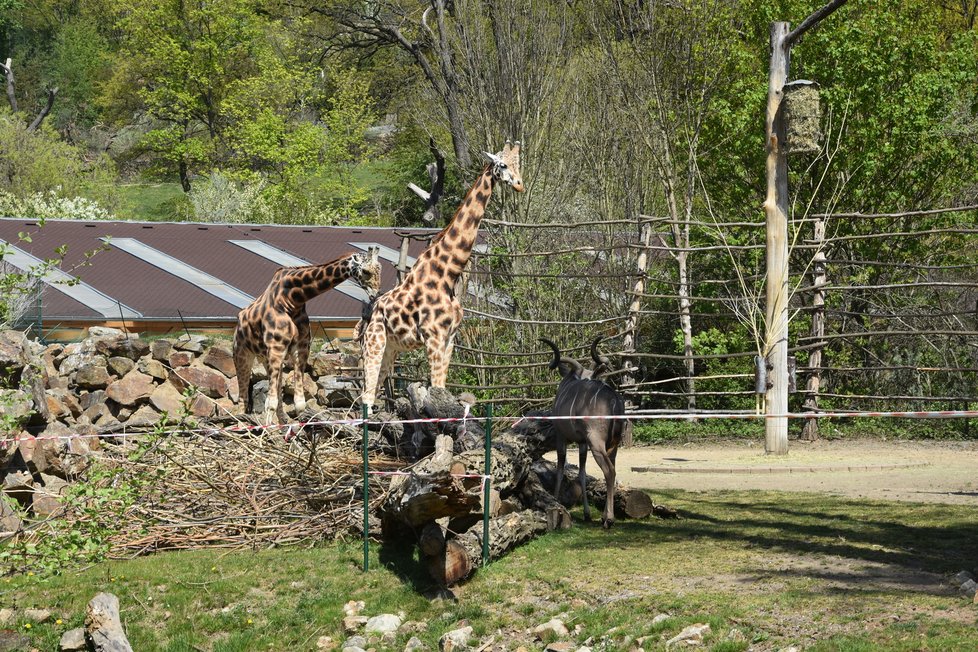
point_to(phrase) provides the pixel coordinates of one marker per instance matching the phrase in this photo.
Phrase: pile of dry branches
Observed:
(243, 489)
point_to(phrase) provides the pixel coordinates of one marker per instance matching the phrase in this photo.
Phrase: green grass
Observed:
(154, 202)
(824, 573)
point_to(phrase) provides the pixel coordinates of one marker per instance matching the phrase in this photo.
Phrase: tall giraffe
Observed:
(422, 309)
(276, 324)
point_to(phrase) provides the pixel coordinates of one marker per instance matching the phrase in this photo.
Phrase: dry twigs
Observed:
(253, 490)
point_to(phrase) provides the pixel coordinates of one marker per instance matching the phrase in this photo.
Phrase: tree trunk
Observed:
(463, 554)
(184, 176)
(776, 211)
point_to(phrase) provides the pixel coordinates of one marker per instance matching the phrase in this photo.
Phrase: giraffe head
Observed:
(505, 165)
(366, 271)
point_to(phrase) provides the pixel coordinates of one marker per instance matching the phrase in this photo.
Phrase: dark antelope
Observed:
(581, 394)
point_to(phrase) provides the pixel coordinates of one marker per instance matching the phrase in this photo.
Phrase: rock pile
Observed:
(58, 402)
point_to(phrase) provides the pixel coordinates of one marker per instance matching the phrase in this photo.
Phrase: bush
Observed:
(38, 163)
(223, 200)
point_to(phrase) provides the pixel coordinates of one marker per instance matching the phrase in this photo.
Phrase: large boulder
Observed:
(133, 388)
(121, 345)
(209, 382)
(23, 378)
(220, 357)
(161, 350)
(93, 375)
(153, 367)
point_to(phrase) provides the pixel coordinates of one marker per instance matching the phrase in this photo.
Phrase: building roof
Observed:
(165, 271)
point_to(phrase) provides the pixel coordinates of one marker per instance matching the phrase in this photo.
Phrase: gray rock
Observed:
(553, 628)
(127, 347)
(963, 577)
(93, 375)
(7, 616)
(161, 349)
(660, 618)
(103, 624)
(144, 416)
(153, 367)
(9, 522)
(192, 343)
(37, 615)
(969, 588)
(105, 331)
(19, 485)
(382, 624)
(11, 641)
(457, 639)
(355, 641)
(73, 641)
(120, 365)
(414, 645)
(692, 635)
(97, 397)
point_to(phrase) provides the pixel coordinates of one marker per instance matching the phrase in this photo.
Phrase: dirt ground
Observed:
(945, 472)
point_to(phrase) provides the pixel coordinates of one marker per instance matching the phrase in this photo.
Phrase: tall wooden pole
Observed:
(776, 212)
(629, 342)
(810, 431)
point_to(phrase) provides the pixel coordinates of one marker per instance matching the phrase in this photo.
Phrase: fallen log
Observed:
(462, 555)
(629, 502)
(429, 492)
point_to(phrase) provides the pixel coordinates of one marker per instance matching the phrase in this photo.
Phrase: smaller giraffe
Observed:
(276, 326)
(422, 309)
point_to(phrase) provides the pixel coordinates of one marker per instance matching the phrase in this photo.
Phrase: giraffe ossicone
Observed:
(275, 326)
(422, 309)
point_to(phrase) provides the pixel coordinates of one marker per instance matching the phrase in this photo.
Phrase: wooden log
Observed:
(629, 503)
(429, 493)
(420, 499)
(432, 539)
(535, 496)
(103, 626)
(463, 554)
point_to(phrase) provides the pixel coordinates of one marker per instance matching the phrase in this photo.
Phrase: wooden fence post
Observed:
(810, 430)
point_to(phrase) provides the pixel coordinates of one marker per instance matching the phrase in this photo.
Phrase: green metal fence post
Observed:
(486, 487)
(366, 493)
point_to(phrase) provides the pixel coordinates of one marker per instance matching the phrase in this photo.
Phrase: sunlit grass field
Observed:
(765, 570)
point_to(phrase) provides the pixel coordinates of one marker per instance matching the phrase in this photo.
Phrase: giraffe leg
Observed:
(440, 347)
(386, 367)
(300, 359)
(374, 349)
(439, 355)
(244, 358)
(278, 345)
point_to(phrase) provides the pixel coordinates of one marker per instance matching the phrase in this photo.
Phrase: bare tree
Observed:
(7, 68)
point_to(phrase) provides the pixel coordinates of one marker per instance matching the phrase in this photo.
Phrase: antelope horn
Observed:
(559, 359)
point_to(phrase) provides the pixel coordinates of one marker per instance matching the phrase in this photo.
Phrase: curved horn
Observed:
(572, 364)
(594, 350)
(556, 360)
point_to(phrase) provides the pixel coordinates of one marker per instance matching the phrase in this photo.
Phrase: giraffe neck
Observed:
(295, 286)
(448, 254)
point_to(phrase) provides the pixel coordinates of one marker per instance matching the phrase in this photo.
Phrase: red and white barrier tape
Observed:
(678, 416)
